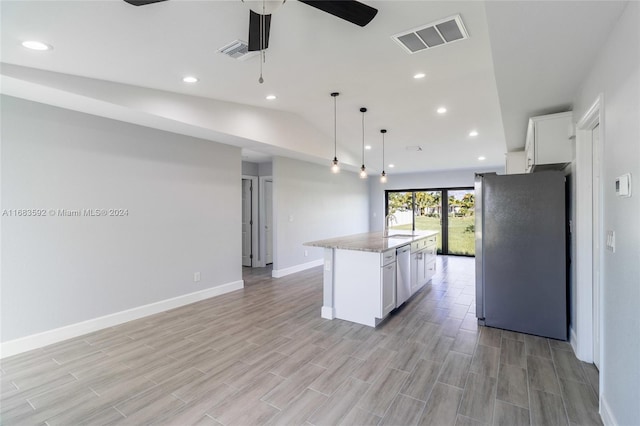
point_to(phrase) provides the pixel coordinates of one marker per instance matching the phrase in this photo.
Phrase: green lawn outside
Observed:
(460, 242)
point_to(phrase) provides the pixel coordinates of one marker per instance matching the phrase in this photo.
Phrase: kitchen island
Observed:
(366, 276)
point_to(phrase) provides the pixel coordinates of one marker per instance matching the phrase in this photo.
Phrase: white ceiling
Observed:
(522, 58)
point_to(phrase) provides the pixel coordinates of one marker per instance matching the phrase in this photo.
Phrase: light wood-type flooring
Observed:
(263, 355)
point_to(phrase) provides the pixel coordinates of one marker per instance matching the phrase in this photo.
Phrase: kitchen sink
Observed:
(399, 236)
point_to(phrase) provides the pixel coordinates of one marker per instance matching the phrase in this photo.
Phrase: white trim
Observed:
(35, 341)
(606, 414)
(255, 237)
(279, 273)
(584, 231)
(327, 312)
(261, 220)
(573, 339)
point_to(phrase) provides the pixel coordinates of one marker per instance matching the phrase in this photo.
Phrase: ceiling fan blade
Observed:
(349, 10)
(256, 24)
(142, 2)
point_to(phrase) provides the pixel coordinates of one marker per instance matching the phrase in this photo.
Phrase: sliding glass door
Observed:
(461, 222)
(450, 211)
(428, 213)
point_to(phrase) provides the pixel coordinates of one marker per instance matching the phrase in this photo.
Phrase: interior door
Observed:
(268, 226)
(246, 222)
(597, 218)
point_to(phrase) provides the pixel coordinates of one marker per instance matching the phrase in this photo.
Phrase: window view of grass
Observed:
(426, 214)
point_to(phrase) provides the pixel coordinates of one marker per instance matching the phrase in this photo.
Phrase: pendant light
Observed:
(335, 168)
(383, 175)
(363, 169)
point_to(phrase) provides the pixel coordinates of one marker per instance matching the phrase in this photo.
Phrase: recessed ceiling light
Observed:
(419, 75)
(392, 166)
(36, 45)
(482, 158)
(441, 110)
(473, 133)
(190, 79)
(271, 97)
(367, 147)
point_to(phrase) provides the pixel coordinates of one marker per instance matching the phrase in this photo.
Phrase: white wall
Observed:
(183, 201)
(426, 180)
(616, 75)
(311, 203)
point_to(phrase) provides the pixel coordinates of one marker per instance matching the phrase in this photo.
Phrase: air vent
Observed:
(432, 35)
(237, 49)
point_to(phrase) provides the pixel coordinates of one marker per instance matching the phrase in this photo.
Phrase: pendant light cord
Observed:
(383, 152)
(363, 111)
(335, 126)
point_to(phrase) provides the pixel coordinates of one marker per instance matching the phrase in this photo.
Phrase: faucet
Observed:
(387, 222)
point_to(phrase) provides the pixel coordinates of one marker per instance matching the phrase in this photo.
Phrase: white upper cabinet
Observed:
(516, 162)
(548, 145)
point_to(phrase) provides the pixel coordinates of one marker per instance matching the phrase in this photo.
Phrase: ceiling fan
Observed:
(260, 17)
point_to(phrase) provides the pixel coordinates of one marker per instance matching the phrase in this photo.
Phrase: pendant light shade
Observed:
(335, 168)
(363, 169)
(383, 175)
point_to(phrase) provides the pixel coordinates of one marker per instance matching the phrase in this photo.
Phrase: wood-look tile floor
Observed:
(263, 355)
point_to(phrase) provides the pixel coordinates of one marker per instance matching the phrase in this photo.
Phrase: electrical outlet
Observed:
(306, 253)
(196, 277)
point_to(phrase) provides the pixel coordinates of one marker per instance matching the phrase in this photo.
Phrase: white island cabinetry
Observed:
(360, 273)
(364, 287)
(423, 262)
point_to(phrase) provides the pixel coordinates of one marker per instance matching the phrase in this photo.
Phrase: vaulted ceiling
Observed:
(112, 59)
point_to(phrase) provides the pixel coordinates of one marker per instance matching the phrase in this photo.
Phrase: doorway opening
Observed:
(266, 219)
(249, 221)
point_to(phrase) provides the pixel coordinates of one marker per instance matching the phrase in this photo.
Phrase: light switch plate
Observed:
(611, 241)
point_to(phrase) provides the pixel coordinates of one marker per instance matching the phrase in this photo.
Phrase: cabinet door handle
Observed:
(389, 267)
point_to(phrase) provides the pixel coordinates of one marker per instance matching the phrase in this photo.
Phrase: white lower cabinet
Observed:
(388, 288)
(364, 290)
(423, 263)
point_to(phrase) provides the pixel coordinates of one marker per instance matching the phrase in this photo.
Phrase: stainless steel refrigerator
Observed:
(521, 255)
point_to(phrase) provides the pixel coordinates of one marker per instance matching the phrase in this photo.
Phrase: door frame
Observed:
(583, 334)
(255, 247)
(262, 257)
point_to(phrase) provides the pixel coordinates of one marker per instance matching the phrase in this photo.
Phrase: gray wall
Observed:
(183, 201)
(616, 75)
(311, 203)
(256, 169)
(249, 168)
(440, 179)
(265, 169)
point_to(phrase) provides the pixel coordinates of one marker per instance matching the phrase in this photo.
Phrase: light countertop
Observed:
(373, 241)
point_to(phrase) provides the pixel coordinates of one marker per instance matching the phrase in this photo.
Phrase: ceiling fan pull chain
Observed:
(261, 80)
(262, 29)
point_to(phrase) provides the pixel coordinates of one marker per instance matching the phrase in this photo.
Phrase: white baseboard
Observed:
(327, 312)
(606, 415)
(573, 340)
(279, 273)
(35, 341)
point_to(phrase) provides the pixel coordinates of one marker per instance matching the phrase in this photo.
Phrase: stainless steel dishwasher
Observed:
(403, 274)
